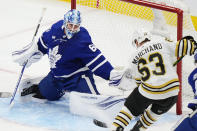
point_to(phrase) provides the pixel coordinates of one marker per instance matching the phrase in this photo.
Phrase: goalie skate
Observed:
(29, 90)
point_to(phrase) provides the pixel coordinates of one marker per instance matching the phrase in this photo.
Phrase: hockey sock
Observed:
(122, 119)
(148, 118)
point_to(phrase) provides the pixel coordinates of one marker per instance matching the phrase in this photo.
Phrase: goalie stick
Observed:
(22, 71)
(18, 82)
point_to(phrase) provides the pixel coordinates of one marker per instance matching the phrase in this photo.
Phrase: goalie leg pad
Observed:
(50, 88)
(186, 125)
(53, 88)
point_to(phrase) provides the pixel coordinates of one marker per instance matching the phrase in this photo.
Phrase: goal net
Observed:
(169, 17)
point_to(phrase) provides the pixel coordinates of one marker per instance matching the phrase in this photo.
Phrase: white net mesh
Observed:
(121, 18)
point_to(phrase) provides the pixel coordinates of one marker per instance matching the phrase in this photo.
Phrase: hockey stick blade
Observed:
(5, 94)
(100, 124)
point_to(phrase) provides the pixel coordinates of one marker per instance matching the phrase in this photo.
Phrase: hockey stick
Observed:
(176, 62)
(18, 82)
(22, 71)
(180, 58)
(39, 22)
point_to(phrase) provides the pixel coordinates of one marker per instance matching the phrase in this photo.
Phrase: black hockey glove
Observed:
(193, 42)
(188, 37)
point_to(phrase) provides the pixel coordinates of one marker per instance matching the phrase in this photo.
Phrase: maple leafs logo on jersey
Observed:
(54, 56)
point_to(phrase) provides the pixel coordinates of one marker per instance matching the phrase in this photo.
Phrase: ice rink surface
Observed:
(18, 23)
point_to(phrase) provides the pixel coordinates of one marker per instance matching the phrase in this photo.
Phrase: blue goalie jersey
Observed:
(72, 57)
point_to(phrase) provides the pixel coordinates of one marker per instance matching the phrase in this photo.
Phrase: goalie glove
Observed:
(122, 79)
(127, 83)
(29, 54)
(115, 77)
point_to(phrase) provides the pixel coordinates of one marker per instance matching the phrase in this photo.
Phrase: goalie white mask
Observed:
(139, 36)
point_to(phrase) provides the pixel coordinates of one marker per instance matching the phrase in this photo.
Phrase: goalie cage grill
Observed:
(176, 17)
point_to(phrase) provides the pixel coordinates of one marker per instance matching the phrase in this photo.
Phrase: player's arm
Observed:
(42, 42)
(95, 60)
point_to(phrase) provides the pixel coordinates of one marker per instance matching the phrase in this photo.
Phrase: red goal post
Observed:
(179, 22)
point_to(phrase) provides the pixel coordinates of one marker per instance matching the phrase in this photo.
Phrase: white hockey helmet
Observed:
(140, 36)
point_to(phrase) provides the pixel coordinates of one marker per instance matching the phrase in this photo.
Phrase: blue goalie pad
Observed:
(188, 124)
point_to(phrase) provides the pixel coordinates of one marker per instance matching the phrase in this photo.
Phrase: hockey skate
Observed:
(100, 123)
(29, 86)
(32, 93)
(32, 90)
(119, 129)
(104, 125)
(137, 126)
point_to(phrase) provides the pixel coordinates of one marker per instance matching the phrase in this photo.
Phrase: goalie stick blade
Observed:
(5, 94)
(99, 123)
